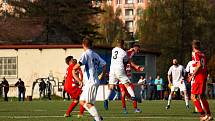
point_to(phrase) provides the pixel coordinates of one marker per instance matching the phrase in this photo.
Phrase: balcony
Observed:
(129, 17)
(129, 5)
(130, 29)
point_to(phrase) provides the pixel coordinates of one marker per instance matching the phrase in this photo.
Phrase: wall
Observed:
(35, 63)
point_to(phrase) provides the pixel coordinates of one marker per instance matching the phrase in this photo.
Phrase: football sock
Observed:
(94, 113)
(82, 109)
(108, 94)
(201, 104)
(123, 101)
(130, 91)
(169, 99)
(106, 104)
(186, 100)
(206, 106)
(196, 110)
(71, 107)
(135, 104)
(199, 107)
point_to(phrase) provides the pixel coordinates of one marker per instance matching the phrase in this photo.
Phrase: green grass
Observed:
(54, 110)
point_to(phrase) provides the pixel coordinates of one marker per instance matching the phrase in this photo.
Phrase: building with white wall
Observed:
(30, 62)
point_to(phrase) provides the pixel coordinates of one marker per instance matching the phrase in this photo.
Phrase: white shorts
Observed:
(177, 86)
(89, 93)
(115, 76)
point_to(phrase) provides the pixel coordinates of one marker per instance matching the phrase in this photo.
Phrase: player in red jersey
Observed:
(199, 85)
(71, 86)
(130, 53)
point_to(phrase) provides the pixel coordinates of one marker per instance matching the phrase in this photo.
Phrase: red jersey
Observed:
(200, 75)
(130, 54)
(69, 82)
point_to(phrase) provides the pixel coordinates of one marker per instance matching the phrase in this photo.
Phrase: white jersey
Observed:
(190, 68)
(92, 61)
(142, 82)
(119, 56)
(177, 73)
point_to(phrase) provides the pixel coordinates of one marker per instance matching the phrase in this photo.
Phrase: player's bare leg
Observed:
(92, 110)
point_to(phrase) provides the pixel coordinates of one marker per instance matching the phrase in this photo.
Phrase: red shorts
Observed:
(74, 92)
(198, 88)
(123, 89)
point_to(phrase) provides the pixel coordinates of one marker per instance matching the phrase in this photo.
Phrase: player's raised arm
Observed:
(136, 67)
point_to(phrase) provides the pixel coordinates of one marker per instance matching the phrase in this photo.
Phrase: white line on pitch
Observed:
(145, 117)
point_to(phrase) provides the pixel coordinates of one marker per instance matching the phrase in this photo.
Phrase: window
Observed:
(129, 1)
(109, 2)
(129, 24)
(8, 66)
(139, 60)
(118, 2)
(140, 1)
(129, 12)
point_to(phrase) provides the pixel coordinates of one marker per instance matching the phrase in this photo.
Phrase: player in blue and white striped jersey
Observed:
(91, 61)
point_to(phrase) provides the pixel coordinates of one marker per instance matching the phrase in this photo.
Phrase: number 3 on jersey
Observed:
(115, 55)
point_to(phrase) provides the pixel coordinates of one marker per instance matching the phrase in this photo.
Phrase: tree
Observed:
(211, 67)
(111, 27)
(170, 25)
(64, 21)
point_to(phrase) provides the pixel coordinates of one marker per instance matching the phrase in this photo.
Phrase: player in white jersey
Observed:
(92, 61)
(130, 53)
(190, 68)
(119, 60)
(176, 73)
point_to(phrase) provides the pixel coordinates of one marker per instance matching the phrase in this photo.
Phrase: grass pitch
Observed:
(55, 109)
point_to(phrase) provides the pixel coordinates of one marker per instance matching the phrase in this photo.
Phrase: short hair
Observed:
(75, 60)
(68, 58)
(87, 42)
(136, 45)
(120, 42)
(196, 44)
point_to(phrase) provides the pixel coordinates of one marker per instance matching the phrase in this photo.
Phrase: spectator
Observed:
(152, 88)
(5, 86)
(21, 89)
(49, 88)
(143, 87)
(159, 84)
(42, 87)
(65, 93)
(209, 87)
